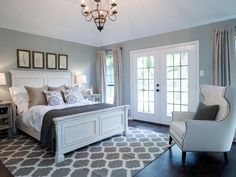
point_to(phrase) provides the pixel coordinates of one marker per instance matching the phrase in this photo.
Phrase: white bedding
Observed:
(33, 117)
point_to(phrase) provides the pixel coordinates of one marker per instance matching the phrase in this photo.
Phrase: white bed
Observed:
(74, 131)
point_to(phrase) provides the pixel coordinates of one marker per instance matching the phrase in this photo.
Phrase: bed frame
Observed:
(74, 131)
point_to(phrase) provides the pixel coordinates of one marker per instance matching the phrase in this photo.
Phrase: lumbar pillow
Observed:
(36, 96)
(54, 98)
(206, 112)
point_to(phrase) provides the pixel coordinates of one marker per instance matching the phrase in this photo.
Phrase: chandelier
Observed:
(99, 11)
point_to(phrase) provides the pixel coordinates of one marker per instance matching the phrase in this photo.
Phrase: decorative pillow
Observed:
(70, 96)
(206, 112)
(56, 88)
(36, 96)
(54, 98)
(19, 97)
(77, 91)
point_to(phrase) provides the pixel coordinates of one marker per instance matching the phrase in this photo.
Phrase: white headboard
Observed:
(21, 78)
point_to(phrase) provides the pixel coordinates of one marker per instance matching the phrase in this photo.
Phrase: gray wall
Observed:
(202, 33)
(82, 58)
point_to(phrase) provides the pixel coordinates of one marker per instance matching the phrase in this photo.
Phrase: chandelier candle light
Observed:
(99, 11)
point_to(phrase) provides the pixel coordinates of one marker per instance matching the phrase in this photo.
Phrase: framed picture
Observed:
(62, 62)
(23, 58)
(51, 59)
(38, 60)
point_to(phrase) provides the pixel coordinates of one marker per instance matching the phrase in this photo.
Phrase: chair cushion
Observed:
(206, 112)
(179, 128)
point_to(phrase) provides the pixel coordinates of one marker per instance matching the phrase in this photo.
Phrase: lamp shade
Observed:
(3, 79)
(81, 79)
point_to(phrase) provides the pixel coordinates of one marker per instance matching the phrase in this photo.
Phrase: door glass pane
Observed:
(176, 59)
(177, 98)
(145, 85)
(140, 95)
(177, 85)
(140, 84)
(170, 85)
(151, 73)
(176, 72)
(177, 82)
(184, 72)
(184, 58)
(145, 81)
(140, 106)
(170, 72)
(151, 84)
(170, 97)
(140, 62)
(170, 60)
(151, 96)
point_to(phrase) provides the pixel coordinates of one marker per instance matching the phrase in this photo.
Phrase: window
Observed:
(109, 78)
(177, 82)
(145, 72)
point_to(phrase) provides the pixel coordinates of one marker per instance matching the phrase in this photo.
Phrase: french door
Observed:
(164, 79)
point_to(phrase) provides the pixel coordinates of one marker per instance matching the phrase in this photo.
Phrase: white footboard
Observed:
(76, 131)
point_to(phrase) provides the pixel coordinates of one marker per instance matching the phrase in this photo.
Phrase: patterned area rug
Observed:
(118, 156)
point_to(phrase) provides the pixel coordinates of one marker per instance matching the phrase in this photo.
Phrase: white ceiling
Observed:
(62, 19)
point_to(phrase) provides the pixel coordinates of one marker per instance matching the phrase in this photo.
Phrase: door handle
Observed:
(157, 90)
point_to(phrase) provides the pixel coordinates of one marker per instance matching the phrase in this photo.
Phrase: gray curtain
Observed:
(101, 74)
(221, 57)
(118, 76)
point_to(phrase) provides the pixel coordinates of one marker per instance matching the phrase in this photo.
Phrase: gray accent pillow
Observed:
(54, 98)
(206, 112)
(36, 96)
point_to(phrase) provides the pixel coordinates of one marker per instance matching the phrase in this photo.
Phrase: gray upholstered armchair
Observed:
(204, 135)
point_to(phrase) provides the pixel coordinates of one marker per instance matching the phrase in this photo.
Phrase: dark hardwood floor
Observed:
(169, 163)
(197, 164)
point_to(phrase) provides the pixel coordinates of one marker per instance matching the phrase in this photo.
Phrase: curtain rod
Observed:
(111, 49)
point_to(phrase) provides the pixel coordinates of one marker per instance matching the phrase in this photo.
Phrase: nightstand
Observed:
(96, 97)
(6, 122)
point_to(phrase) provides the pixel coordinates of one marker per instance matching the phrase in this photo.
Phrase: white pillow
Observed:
(19, 96)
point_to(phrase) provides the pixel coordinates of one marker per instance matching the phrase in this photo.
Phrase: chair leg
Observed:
(170, 140)
(226, 157)
(183, 157)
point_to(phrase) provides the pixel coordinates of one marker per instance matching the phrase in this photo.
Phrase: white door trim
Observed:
(195, 43)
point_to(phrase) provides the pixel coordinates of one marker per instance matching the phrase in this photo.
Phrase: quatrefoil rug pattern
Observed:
(118, 156)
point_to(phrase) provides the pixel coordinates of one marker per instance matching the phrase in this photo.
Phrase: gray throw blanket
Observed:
(48, 132)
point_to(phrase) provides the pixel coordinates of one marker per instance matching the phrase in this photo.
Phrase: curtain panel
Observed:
(101, 74)
(221, 57)
(118, 76)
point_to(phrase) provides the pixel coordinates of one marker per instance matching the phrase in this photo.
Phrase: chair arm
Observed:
(182, 116)
(203, 135)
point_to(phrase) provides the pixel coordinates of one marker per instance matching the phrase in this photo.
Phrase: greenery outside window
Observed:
(109, 78)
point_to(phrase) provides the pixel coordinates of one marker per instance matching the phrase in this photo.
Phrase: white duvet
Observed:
(33, 117)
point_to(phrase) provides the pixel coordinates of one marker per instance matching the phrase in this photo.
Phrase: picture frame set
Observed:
(53, 61)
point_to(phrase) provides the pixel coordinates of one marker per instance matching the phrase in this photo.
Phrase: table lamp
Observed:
(2, 80)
